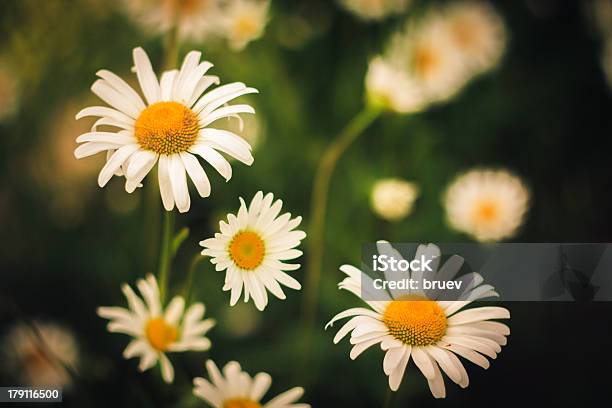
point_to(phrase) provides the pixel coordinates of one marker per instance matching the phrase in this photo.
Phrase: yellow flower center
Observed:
(247, 250)
(160, 334)
(425, 62)
(167, 128)
(415, 322)
(486, 211)
(241, 403)
(245, 27)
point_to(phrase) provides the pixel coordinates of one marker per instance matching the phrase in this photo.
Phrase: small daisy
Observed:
(41, 354)
(252, 246)
(477, 32)
(425, 51)
(375, 9)
(193, 19)
(490, 205)
(243, 21)
(155, 331)
(413, 323)
(171, 129)
(391, 88)
(235, 388)
(393, 198)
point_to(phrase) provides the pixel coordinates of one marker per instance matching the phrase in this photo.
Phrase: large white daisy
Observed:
(252, 246)
(490, 205)
(172, 128)
(416, 323)
(235, 388)
(155, 331)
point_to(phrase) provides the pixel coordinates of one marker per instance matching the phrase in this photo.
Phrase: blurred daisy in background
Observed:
(393, 198)
(426, 51)
(389, 87)
(243, 21)
(193, 19)
(171, 129)
(9, 91)
(41, 354)
(477, 32)
(65, 181)
(413, 323)
(252, 247)
(234, 388)
(157, 331)
(374, 9)
(489, 205)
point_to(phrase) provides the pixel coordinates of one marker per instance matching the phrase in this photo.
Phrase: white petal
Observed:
(165, 185)
(146, 76)
(196, 173)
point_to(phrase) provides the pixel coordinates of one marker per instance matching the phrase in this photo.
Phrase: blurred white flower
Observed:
(393, 198)
(478, 33)
(155, 331)
(243, 21)
(489, 205)
(235, 388)
(424, 49)
(193, 19)
(172, 128)
(375, 9)
(252, 246)
(9, 91)
(390, 87)
(42, 354)
(414, 323)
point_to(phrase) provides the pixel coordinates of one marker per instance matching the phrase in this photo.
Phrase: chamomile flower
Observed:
(417, 324)
(425, 51)
(41, 354)
(375, 9)
(389, 87)
(478, 33)
(234, 388)
(193, 19)
(171, 129)
(393, 198)
(243, 21)
(252, 247)
(489, 205)
(157, 331)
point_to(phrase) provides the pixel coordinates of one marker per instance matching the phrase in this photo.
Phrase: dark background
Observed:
(544, 113)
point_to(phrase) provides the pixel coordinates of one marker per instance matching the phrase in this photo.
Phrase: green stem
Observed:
(320, 191)
(193, 266)
(171, 49)
(165, 257)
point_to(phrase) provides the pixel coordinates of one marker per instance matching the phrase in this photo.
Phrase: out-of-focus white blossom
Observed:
(375, 9)
(243, 21)
(393, 198)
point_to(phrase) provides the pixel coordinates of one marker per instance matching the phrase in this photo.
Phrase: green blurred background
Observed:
(544, 113)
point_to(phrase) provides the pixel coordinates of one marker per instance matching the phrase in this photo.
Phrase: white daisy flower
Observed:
(252, 246)
(412, 323)
(389, 87)
(193, 19)
(489, 205)
(243, 21)
(155, 331)
(375, 9)
(41, 354)
(235, 388)
(393, 198)
(424, 50)
(172, 128)
(478, 33)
